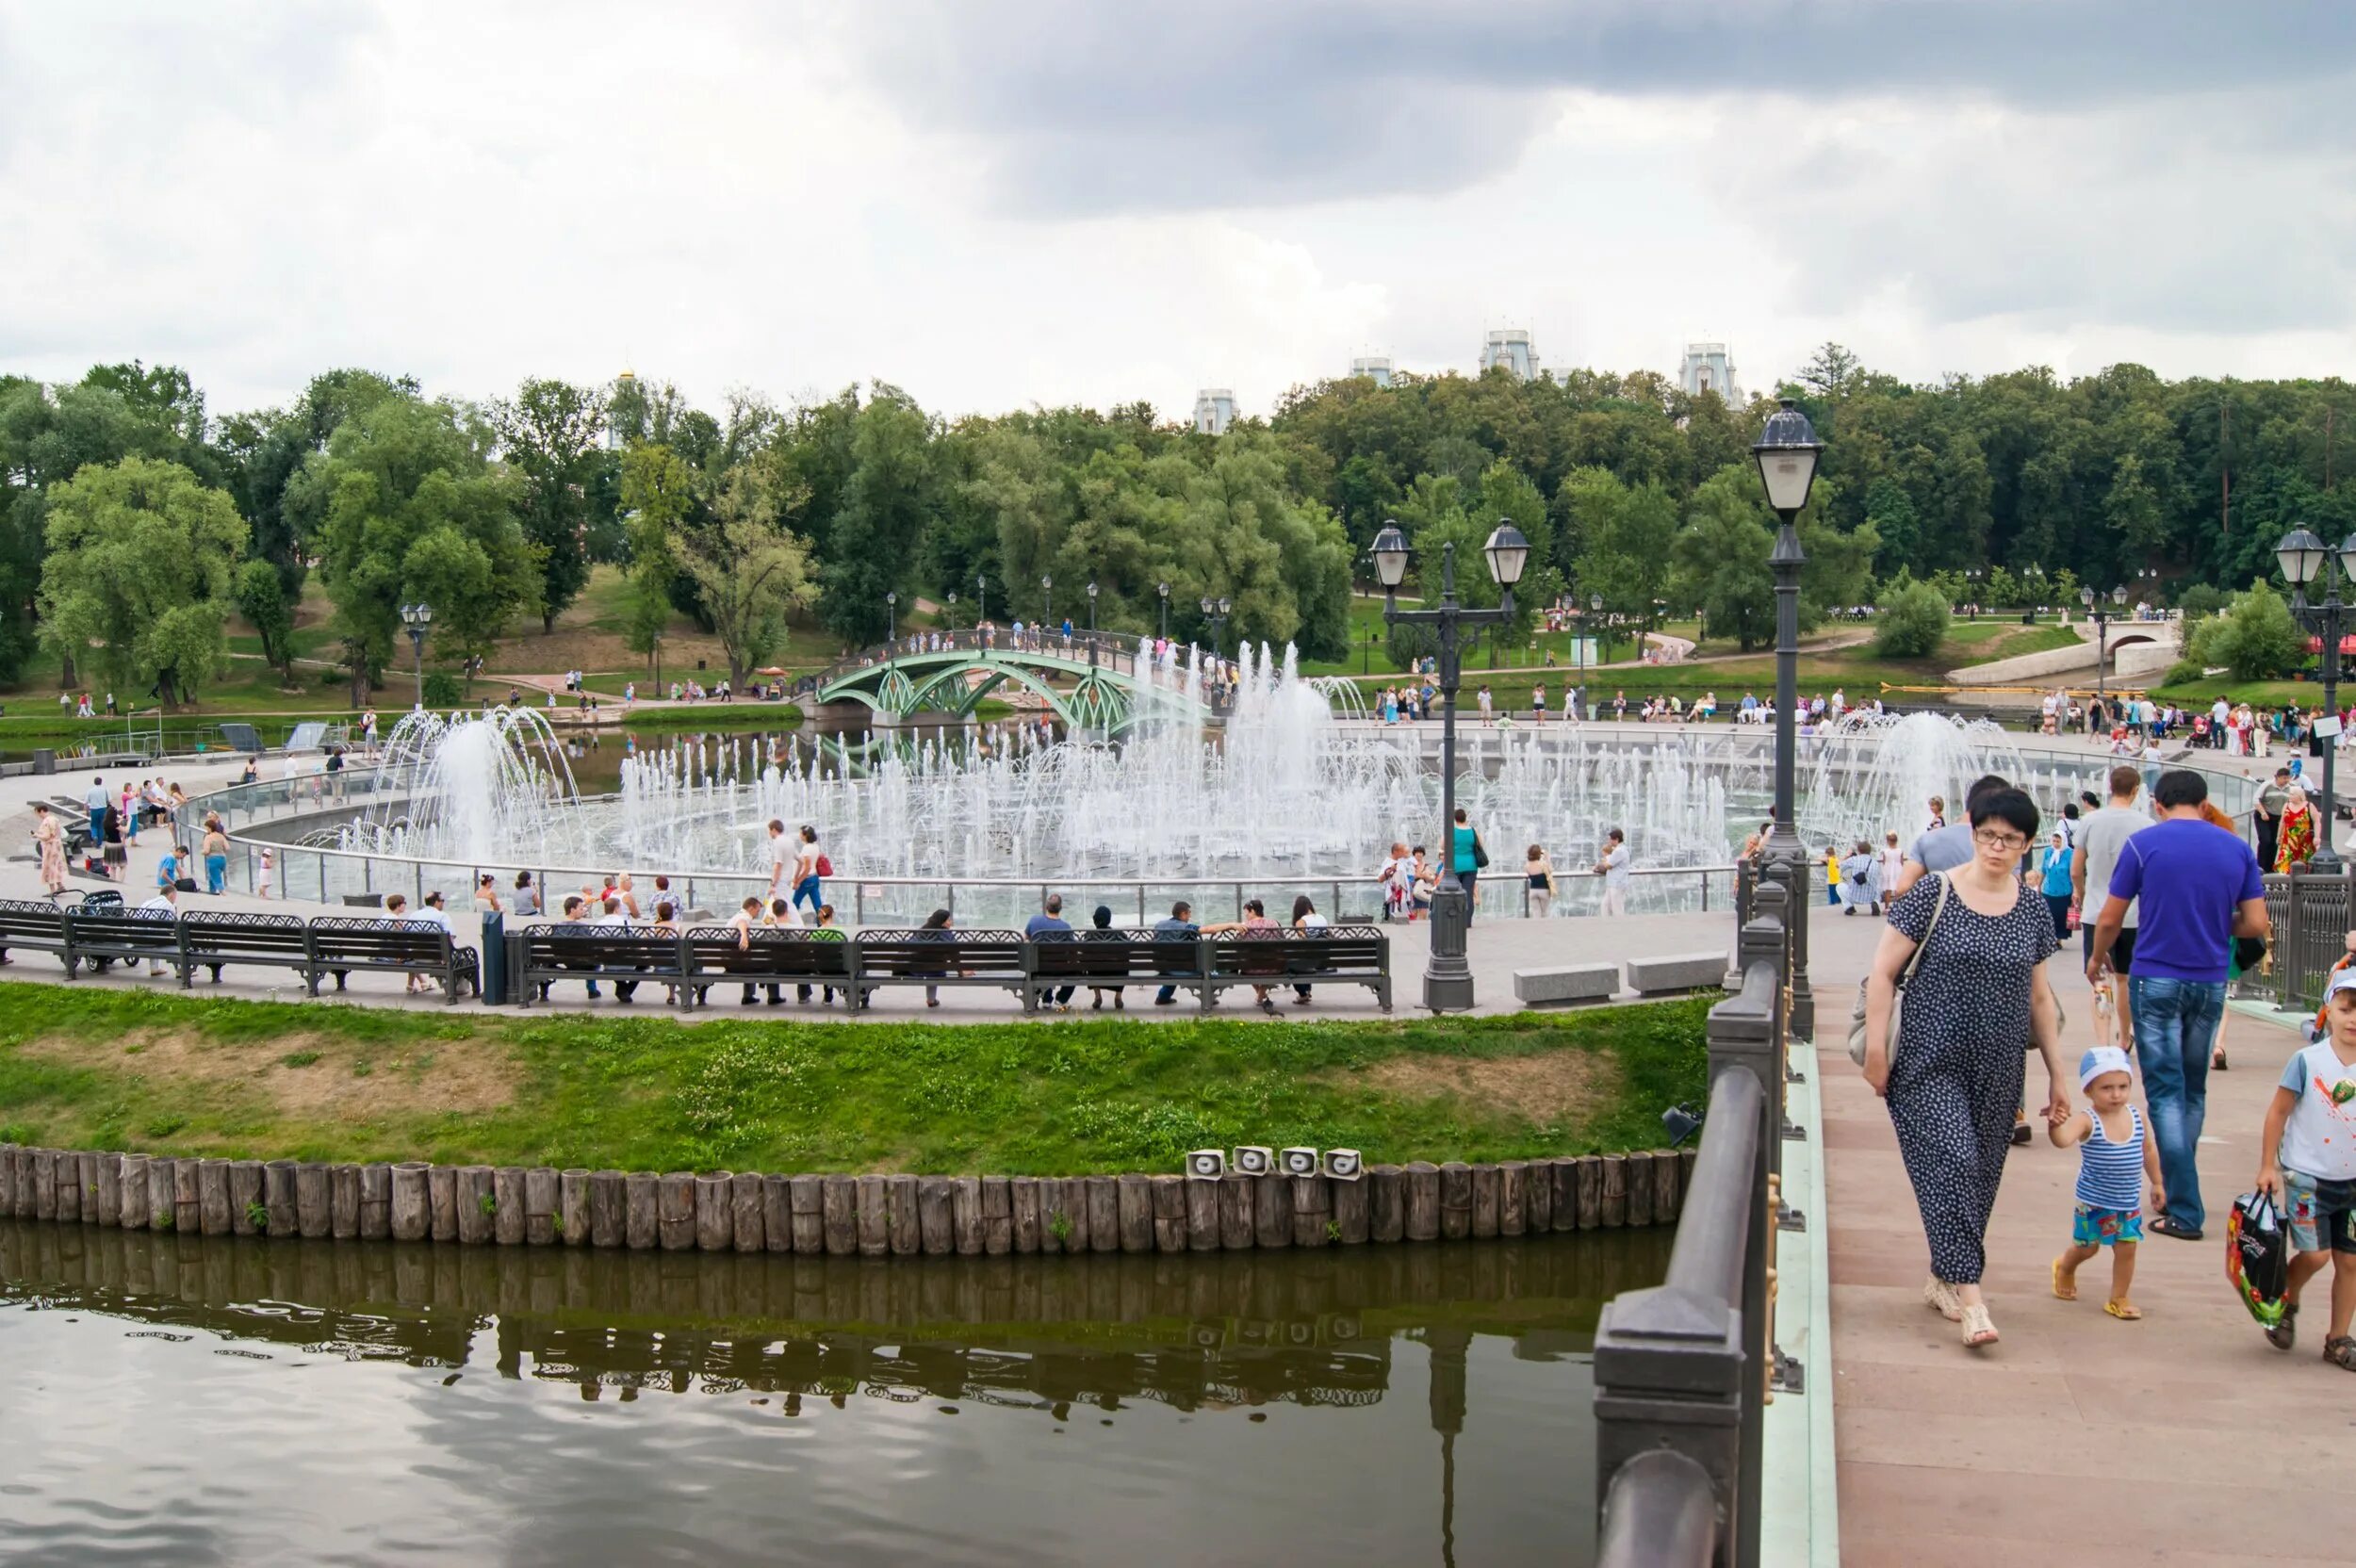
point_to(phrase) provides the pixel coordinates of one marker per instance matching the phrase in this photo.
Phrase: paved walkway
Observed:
(2182, 1439)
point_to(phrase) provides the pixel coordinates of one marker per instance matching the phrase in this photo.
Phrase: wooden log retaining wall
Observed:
(868, 1216)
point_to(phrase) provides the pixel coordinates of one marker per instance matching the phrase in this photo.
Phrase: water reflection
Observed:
(1368, 1405)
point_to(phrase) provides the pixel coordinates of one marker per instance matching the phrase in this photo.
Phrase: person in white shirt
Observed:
(780, 858)
(164, 905)
(1613, 867)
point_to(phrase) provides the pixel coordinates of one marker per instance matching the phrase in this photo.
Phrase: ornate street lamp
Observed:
(1163, 589)
(1091, 622)
(1215, 611)
(416, 617)
(891, 625)
(2304, 558)
(981, 600)
(1786, 452)
(1447, 982)
(1047, 597)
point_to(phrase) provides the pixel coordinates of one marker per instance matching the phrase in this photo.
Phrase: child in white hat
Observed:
(2114, 1151)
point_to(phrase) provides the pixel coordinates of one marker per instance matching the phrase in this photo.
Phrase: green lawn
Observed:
(100, 1066)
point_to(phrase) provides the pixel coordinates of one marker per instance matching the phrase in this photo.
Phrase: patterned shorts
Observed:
(2322, 1213)
(2093, 1227)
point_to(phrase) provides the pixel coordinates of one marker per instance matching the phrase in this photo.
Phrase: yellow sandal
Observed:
(2126, 1312)
(2063, 1292)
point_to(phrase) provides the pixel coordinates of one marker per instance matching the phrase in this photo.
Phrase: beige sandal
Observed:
(1979, 1330)
(1940, 1296)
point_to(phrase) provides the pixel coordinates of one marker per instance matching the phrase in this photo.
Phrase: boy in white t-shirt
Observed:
(2309, 1150)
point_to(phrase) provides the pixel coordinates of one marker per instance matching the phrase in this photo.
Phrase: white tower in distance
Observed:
(1707, 369)
(1376, 366)
(1511, 348)
(1214, 410)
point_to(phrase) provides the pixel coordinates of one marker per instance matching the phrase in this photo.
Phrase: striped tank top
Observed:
(2110, 1175)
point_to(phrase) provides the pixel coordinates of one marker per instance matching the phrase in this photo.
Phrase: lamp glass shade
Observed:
(1091, 588)
(2118, 594)
(1787, 451)
(2348, 557)
(2299, 554)
(1224, 606)
(1390, 556)
(1508, 553)
(2086, 595)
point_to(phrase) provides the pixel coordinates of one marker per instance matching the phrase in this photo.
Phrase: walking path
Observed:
(2182, 1438)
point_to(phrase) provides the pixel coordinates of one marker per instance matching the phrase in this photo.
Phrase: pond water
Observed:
(183, 1399)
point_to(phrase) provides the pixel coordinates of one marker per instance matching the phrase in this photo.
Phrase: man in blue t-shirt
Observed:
(2196, 889)
(1049, 925)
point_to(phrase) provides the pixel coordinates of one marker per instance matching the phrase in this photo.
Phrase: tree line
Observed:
(133, 521)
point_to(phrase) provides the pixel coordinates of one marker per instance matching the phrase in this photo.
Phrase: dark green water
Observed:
(181, 1399)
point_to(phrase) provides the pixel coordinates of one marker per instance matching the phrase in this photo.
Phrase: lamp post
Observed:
(1215, 611)
(1091, 622)
(952, 615)
(981, 600)
(2304, 558)
(2032, 578)
(1786, 452)
(1448, 983)
(1047, 600)
(416, 617)
(1163, 589)
(891, 625)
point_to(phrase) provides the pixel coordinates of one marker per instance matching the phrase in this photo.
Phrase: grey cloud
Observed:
(1088, 107)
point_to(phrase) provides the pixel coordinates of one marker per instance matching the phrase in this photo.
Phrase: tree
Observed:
(2257, 639)
(548, 436)
(412, 510)
(136, 580)
(657, 491)
(1626, 539)
(749, 568)
(1832, 372)
(261, 598)
(873, 544)
(1912, 623)
(1720, 558)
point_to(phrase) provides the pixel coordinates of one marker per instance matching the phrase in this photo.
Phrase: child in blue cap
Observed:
(2112, 1151)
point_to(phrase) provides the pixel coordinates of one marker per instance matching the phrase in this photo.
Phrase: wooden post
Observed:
(1071, 1201)
(1133, 1210)
(965, 1216)
(1234, 1211)
(1271, 1211)
(1668, 1193)
(1103, 1202)
(935, 1217)
(1352, 1212)
(1312, 1209)
(68, 1208)
(1488, 1199)
(808, 1196)
(1386, 1204)
(642, 1210)
(1512, 1197)
(376, 1203)
(715, 1212)
(1023, 1215)
(131, 1193)
(997, 1198)
(8, 1179)
(609, 1224)
(1423, 1201)
(1590, 1191)
(1566, 1195)
(908, 1232)
(102, 1192)
(408, 1208)
(187, 1201)
(507, 1205)
(1456, 1200)
(543, 1213)
(1538, 1197)
(572, 1206)
(283, 1213)
(839, 1206)
(777, 1213)
(875, 1223)
(746, 1226)
(46, 1185)
(1639, 1189)
(315, 1216)
(441, 1191)
(1202, 1199)
(476, 1201)
(674, 1210)
(1170, 1212)
(1615, 1182)
(343, 1202)
(245, 1197)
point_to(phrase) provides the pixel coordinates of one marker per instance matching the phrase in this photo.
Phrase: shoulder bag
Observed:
(1480, 855)
(1856, 1017)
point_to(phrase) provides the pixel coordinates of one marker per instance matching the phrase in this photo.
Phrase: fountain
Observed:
(482, 786)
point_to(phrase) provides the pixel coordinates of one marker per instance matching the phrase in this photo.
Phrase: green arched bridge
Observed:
(1101, 681)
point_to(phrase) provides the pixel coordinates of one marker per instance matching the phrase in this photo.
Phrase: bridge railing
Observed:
(1121, 652)
(1682, 1370)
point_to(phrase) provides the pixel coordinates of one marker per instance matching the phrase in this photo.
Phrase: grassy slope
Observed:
(98, 1066)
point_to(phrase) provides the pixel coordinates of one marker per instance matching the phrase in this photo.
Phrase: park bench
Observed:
(31, 924)
(339, 946)
(1107, 958)
(539, 956)
(99, 935)
(943, 958)
(1338, 955)
(215, 941)
(772, 956)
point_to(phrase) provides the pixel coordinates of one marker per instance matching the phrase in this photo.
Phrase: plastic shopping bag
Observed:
(2258, 1256)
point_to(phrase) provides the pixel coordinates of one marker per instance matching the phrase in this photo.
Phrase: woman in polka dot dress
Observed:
(1975, 1001)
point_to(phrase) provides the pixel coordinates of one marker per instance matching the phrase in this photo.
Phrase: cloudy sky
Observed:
(997, 202)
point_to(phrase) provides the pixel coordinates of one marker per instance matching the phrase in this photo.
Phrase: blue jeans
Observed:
(807, 889)
(2175, 1024)
(216, 873)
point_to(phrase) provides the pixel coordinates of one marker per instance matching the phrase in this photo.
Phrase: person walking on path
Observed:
(780, 859)
(807, 872)
(1614, 870)
(2100, 836)
(215, 849)
(50, 841)
(1976, 997)
(2295, 836)
(2199, 890)
(2114, 1158)
(1944, 845)
(2053, 880)
(2266, 814)
(1889, 864)
(1541, 873)
(1467, 856)
(2307, 1165)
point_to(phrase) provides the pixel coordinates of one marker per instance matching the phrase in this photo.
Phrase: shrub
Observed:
(1912, 623)
(442, 690)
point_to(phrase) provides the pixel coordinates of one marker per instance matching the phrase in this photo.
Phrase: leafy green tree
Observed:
(137, 581)
(1627, 537)
(2199, 601)
(1912, 622)
(656, 490)
(1720, 560)
(261, 598)
(873, 542)
(750, 568)
(548, 436)
(2257, 639)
